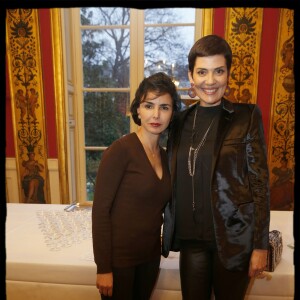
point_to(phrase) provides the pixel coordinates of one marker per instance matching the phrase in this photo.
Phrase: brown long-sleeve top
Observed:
(128, 203)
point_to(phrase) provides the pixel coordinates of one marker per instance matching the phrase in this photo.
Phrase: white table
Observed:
(35, 272)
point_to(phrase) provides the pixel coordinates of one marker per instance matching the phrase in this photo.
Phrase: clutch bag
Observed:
(275, 250)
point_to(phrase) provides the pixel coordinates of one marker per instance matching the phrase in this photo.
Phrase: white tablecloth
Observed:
(36, 272)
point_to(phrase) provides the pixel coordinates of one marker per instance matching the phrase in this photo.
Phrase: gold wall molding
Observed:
(243, 33)
(282, 121)
(61, 120)
(207, 24)
(27, 101)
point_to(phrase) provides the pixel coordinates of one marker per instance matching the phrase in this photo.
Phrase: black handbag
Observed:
(274, 251)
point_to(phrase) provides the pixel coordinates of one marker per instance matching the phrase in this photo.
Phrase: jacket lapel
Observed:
(223, 127)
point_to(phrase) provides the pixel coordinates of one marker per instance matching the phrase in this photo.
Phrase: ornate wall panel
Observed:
(243, 33)
(26, 82)
(207, 24)
(282, 122)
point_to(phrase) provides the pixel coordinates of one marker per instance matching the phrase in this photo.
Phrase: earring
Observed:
(227, 91)
(191, 91)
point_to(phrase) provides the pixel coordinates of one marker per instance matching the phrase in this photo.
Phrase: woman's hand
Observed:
(104, 283)
(258, 262)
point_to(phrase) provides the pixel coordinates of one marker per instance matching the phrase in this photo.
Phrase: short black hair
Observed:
(207, 46)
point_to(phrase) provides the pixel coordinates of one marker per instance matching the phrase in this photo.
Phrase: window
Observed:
(118, 47)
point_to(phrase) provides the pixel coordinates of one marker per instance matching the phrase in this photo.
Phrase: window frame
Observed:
(78, 148)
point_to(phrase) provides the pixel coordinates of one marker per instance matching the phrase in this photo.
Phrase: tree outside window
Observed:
(106, 41)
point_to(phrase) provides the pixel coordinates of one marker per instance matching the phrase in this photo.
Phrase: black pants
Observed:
(134, 283)
(202, 274)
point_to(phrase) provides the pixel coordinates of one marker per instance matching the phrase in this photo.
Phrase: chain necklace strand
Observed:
(192, 164)
(192, 161)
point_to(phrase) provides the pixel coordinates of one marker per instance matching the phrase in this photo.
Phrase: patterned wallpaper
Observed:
(26, 85)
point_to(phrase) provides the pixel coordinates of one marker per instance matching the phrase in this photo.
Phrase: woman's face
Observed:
(155, 112)
(210, 77)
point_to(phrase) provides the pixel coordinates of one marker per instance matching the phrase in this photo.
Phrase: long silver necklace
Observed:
(193, 157)
(192, 162)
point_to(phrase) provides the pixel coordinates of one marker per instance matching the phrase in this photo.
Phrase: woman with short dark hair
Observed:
(219, 214)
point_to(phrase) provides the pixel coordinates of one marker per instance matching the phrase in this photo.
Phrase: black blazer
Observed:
(239, 185)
